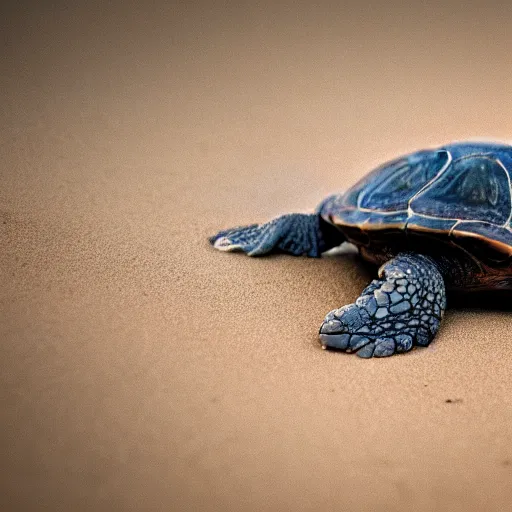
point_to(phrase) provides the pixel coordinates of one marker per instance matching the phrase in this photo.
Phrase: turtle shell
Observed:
(459, 193)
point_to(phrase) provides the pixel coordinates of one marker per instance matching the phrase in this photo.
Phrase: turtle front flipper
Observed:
(401, 309)
(295, 233)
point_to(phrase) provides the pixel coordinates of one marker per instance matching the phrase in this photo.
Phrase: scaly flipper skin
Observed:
(401, 309)
(295, 233)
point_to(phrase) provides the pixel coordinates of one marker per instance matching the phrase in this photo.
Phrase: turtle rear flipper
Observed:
(294, 233)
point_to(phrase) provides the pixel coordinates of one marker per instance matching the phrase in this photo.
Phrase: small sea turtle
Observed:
(435, 219)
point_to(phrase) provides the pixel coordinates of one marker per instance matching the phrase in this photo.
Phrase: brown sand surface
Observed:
(142, 370)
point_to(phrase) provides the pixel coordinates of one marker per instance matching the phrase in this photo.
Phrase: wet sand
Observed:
(141, 369)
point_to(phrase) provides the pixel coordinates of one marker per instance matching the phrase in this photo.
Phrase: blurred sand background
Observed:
(142, 370)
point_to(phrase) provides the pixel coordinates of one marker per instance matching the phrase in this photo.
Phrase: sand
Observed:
(141, 369)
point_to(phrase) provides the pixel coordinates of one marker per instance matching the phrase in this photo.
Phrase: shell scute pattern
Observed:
(475, 188)
(460, 190)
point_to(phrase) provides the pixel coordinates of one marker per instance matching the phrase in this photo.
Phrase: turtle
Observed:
(431, 221)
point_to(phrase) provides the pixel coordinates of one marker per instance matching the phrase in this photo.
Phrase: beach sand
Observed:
(143, 370)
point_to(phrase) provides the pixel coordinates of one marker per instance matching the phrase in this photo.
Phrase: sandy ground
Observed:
(142, 370)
